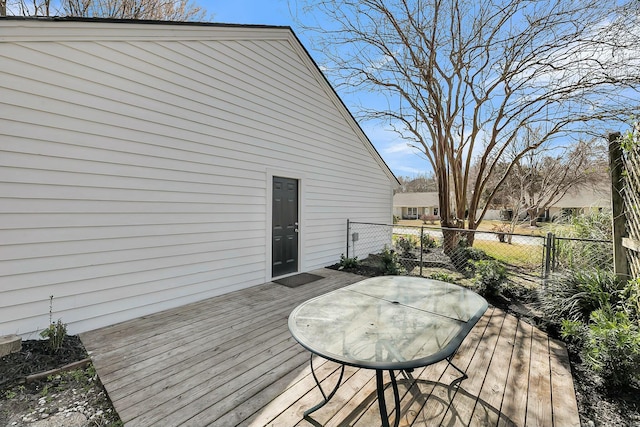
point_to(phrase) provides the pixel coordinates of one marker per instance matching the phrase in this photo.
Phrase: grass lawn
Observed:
(517, 254)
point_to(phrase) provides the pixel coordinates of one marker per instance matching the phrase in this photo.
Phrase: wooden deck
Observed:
(230, 360)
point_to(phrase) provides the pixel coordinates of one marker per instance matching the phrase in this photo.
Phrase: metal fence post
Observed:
(554, 252)
(421, 248)
(348, 233)
(547, 255)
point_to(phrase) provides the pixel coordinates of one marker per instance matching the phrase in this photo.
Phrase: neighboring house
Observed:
(582, 201)
(146, 165)
(573, 203)
(414, 205)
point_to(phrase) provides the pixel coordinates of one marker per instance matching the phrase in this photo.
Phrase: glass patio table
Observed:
(387, 323)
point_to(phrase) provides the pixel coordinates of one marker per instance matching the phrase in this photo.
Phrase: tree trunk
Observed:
(452, 233)
(533, 216)
(450, 240)
(470, 235)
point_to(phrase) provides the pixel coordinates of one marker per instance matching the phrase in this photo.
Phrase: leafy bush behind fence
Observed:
(419, 252)
(419, 249)
(581, 254)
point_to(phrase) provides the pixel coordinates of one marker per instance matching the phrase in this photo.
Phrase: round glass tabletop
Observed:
(388, 322)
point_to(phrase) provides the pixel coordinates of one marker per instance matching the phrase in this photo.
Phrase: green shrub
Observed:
(519, 291)
(475, 254)
(583, 254)
(612, 347)
(489, 276)
(576, 295)
(573, 330)
(591, 225)
(631, 299)
(346, 262)
(599, 289)
(461, 257)
(406, 244)
(391, 263)
(444, 277)
(427, 241)
(600, 314)
(55, 333)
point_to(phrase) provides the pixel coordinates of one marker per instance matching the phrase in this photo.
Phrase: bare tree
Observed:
(544, 179)
(28, 8)
(463, 78)
(545, 175)
(168, 10)
(420, 183)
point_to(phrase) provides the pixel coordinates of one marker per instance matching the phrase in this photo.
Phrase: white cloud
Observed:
(400, 157)
(401, 148)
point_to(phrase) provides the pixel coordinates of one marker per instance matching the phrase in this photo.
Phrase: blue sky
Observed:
(402, 160)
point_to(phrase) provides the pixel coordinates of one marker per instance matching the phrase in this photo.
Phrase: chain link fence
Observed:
(571, 254)
(420, 251)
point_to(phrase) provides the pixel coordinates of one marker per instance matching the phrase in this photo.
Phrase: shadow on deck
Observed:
(230, 360)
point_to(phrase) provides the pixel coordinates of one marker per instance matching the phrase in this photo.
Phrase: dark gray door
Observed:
(285, 226)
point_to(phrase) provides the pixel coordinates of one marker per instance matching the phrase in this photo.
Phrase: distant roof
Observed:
(415, 199)
(598, 197)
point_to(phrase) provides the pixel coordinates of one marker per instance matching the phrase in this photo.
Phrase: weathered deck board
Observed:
(231, 361)
(494, 384)
(539, 405)
(514, 402)
(438, 401)
(564, 396)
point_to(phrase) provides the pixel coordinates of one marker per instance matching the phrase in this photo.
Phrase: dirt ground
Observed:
(72, 398)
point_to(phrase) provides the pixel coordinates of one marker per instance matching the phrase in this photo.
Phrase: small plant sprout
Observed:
(346, 262)
(56, 332)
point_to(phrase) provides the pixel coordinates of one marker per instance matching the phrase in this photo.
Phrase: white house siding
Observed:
(135, 166)
(490, 215)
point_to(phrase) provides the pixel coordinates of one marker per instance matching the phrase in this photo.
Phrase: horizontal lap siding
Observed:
(133, 174)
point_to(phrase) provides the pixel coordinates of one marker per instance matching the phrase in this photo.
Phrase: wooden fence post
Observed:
(620, 266)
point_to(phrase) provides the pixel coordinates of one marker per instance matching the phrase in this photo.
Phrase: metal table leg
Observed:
(464, 374)
(384, 414)
(382, 404)
(326, 397)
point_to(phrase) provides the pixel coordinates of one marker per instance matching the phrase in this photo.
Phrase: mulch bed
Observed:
(33, 387)
(36, 356)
